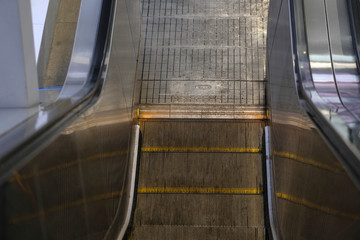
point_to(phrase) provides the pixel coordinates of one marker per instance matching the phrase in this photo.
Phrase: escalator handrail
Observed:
(328, 123)
(27, 138)
(355, 29)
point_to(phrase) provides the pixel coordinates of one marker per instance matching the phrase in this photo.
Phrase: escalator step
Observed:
(221, 170)
(199, 209)
(210, 134)
(200, 180)
(197, 232)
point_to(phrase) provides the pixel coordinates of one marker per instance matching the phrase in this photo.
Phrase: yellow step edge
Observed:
(184, 190)
(201, 149)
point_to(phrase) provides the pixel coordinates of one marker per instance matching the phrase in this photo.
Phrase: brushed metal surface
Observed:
(84, 79)
(73, 188)
(200, 111)
(123, 215)
(313, 196)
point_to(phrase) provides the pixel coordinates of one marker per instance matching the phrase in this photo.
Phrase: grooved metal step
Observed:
(198, 232)
(203, 178)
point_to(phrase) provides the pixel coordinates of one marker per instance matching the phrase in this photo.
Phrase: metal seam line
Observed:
(200, 190)
(105, 196)
(17, 176)
(130, 181)
(201, 149)
(308, 161)
(64, 206)
(318, 207)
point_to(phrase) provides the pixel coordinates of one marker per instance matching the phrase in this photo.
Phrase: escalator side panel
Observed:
(314, 196)
(73, 188)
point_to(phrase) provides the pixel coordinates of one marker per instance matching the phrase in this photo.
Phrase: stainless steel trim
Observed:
(307, 176)
(131, 179)
(271, 198)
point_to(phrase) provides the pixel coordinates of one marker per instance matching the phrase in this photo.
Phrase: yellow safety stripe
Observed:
(318, 207)
(199, 190)
(66, 165)
(201, 149)
(65, 206)
(308, 161)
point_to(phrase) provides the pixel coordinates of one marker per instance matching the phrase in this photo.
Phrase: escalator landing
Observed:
(200, 55)
(201, 178)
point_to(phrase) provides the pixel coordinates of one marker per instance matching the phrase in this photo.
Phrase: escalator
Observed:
(190, 119)
(200, 180)
(200, 171)
(313, 161)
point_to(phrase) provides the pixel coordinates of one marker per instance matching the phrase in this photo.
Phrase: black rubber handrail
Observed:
(16, 148)
(345, 149)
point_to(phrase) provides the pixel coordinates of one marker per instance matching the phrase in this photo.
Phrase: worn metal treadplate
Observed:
(203, 52)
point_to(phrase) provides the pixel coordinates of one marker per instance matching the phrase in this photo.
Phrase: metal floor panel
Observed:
(203, 52)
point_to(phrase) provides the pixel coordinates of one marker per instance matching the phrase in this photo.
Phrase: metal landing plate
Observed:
(203, 53)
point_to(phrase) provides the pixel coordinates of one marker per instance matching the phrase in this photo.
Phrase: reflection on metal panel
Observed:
(83, 50)
(54, 56)
(319, 51)
(74, 187)
(344, 56)
(311, 188)
(328, 105)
